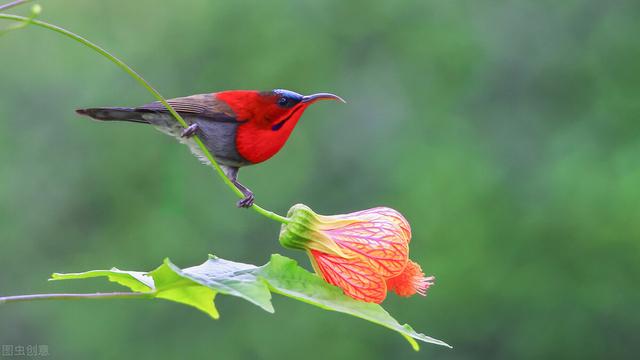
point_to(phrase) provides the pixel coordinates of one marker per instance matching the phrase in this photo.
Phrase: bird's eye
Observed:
(287, 99)
(283, 101)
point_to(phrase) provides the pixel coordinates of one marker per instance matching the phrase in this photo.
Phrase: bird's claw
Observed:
(190, 131)
(247, 201)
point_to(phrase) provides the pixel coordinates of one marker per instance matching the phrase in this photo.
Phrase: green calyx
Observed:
(304, 231)
(301, 228)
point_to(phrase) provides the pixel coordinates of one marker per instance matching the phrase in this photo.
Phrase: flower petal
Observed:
(397, 218)
(354, 275)
(379, 214)
(379, 241)
(411, 281)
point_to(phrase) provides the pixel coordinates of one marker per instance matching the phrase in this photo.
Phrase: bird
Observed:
(238, 127)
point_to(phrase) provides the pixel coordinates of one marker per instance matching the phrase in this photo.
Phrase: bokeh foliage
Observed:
(506, 132)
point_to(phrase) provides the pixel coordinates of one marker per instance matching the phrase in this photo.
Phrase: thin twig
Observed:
(112, 295)
(269, 214)
(12, 4)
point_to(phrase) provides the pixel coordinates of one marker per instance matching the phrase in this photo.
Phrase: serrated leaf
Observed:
(197, 286)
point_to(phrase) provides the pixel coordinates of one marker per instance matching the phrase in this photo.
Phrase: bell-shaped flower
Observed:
(366, 253)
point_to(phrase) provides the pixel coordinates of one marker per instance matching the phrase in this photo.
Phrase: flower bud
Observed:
(364, 253)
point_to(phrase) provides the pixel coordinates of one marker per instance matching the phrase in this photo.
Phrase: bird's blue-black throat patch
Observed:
(277, 126)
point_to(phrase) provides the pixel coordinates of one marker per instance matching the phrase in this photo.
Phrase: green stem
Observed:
(156, 94)
(12, 4)
(112, 295)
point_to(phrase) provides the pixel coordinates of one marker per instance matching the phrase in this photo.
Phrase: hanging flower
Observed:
(366, 253)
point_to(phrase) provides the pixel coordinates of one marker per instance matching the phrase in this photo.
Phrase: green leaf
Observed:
(172, 285)
(134, 280)
(198, 286)
(287, 278)
(229, 278)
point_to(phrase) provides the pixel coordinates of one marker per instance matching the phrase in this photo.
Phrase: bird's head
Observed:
(270, 109)
(269, 118)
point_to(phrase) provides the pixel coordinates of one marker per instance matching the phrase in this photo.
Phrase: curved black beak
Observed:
(321, 96)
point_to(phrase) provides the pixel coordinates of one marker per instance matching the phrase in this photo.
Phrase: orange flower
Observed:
(365, 253)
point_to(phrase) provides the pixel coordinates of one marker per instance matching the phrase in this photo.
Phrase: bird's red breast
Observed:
(266, 125)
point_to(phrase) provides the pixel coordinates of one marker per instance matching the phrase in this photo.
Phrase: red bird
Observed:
(239, 127)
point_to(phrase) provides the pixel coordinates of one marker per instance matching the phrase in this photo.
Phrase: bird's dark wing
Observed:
(204, 106)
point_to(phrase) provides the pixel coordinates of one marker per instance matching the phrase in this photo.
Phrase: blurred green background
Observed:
(506, 131)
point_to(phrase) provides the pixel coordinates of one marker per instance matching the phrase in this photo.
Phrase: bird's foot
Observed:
(247, 201)
(190, 131)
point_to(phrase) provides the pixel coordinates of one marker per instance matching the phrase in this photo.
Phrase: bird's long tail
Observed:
(114, 114)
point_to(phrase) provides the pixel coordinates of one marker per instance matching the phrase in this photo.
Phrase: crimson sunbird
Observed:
(238, 127)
